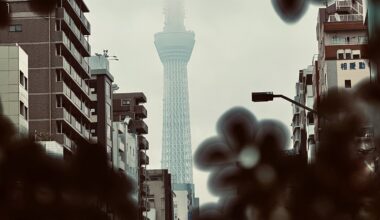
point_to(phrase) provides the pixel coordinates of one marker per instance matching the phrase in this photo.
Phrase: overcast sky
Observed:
(241, 46)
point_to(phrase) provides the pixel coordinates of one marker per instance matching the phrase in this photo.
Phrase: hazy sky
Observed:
(241, 46)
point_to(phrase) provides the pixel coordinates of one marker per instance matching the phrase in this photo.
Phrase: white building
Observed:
(125, 150)
(14, 86)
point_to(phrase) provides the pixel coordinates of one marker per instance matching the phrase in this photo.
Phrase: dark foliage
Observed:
(256, 180)
(34, 185)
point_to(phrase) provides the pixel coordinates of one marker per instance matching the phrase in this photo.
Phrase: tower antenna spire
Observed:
(174, 16)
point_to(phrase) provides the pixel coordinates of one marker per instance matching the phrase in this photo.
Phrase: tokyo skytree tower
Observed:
(174, 46)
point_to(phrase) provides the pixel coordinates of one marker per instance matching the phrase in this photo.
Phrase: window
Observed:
(59, 76)
(348, 56)
(309, 79)
(361, 65)
(310, 118)
(21, 78)
(343, 66)
(347, 84)
(15, 28)
(26, 83)
(340, 56)
(26, 112)
(356, 56)
(352, 66)
(22, 108)
(125, 102)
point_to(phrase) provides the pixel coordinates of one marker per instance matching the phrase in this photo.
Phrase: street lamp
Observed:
(268, 96)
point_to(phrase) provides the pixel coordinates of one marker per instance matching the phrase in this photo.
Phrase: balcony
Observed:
(138, 126)
(140, 111)
(347, 6)
(120, 128)
(84, 22)
(144, 205)
(75, 125)
(121, 145)
(297, 135)
(93, 139)
(75, 101)
(68, 143)
(143, 174)
(144, 159)
(345, 18)
(75, 77)
(145, 190)
(94, 118)
(68, 21)
(121, 165)
(142, 143)
(75, 54)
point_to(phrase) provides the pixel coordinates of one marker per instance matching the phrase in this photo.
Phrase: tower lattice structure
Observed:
(175, 45)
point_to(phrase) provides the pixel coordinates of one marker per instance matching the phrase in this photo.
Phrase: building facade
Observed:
(174, 46)
(342, 37)
(100, 85)
(342, 63)
(128, 108)
(303, 123)
(160, 195)
(58, 49)
(14, 86)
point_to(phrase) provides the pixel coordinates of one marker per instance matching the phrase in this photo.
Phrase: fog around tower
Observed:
(174, 15)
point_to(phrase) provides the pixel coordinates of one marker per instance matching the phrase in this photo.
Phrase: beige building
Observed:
(160, 195)
(14, 86)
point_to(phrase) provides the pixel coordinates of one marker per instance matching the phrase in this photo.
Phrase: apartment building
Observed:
(303, 123)
(342, 36)
(100, 85)
(127, 107)
(58, 49)
(125, 150)
(160, 195)
(342, 62)
(14, 86)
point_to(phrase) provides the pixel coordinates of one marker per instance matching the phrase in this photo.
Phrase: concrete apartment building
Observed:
(100, 85)
(125, 149)
(128, 108)
(342, 62)
(57, 45)
(303, 123)
(343, 46)
(160, 195)
(14, 86)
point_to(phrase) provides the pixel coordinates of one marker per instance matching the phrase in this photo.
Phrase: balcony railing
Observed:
(75, 76)
(75, 30)
(144, 159)
(80, 14)
(142, 143)
(140, 111)
(121, 145)
(67, 142)
(121, 164)
(349, 5)
(76, 125)
(76, 101)
(81, 60)
(350, 41)
(345, 18)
